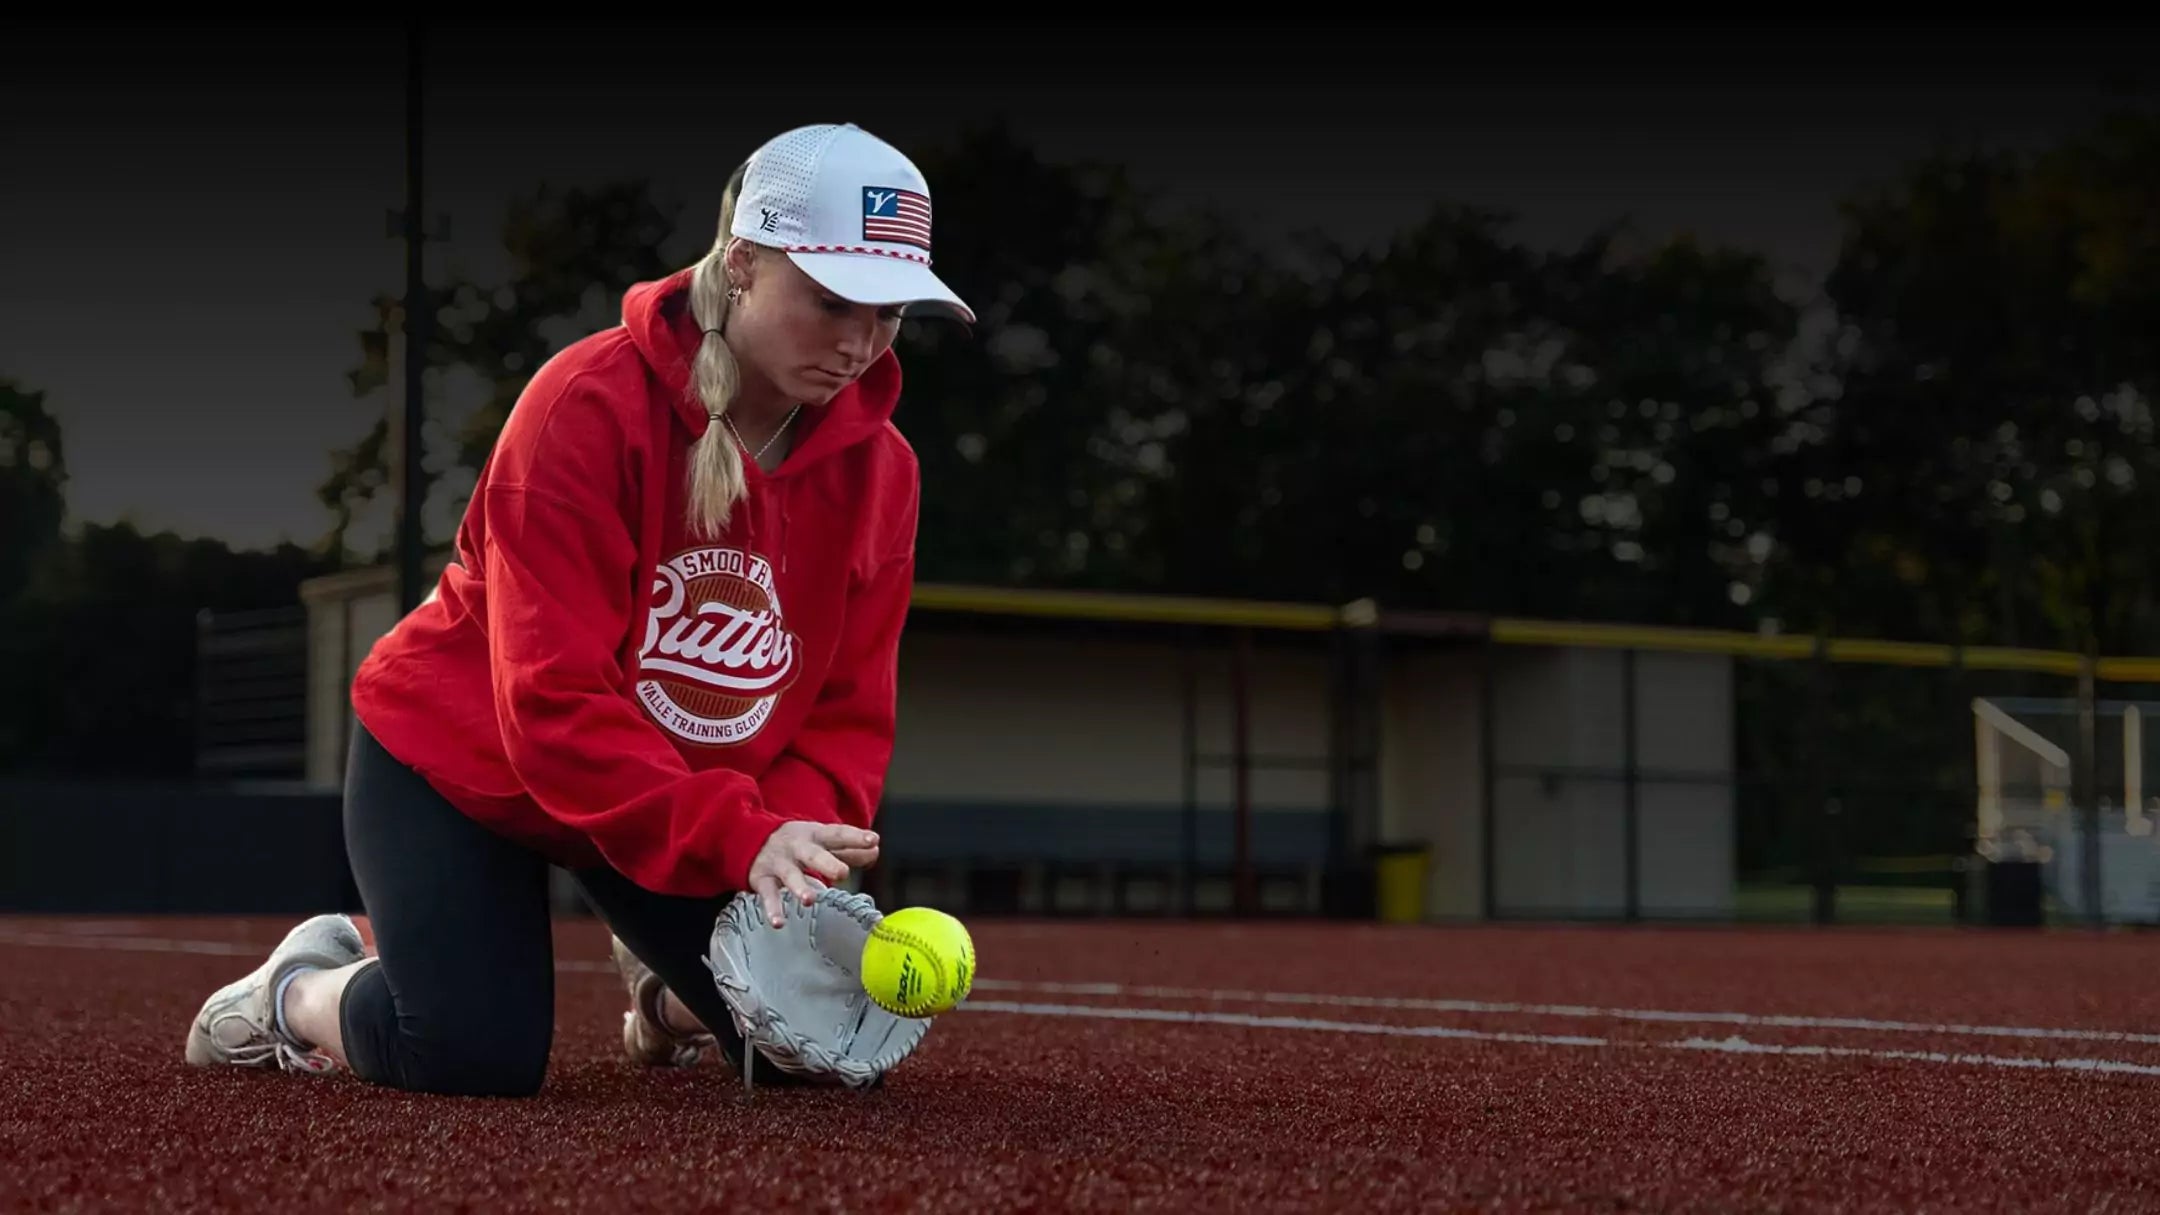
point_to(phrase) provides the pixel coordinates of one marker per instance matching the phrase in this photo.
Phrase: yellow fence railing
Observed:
(1278, 615)
(1508, 630)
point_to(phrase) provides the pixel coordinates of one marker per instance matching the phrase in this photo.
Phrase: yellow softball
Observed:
(918, 962)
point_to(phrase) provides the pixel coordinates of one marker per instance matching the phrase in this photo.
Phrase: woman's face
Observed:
(794, 336)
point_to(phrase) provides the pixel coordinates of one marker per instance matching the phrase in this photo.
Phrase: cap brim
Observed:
(870, 278)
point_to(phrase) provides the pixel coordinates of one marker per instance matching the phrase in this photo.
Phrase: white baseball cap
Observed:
(850, 210)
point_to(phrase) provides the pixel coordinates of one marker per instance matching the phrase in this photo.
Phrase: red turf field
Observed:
(1126, 1066)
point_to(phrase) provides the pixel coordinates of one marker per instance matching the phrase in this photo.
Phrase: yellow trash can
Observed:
(1399, 879)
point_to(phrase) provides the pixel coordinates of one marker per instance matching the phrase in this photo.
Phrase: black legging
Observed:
(462, 999)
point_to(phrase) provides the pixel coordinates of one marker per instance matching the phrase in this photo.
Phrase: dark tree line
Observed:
(1618, 430)
(1953, 441)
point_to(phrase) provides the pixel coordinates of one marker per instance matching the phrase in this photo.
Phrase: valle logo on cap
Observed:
(890, 213)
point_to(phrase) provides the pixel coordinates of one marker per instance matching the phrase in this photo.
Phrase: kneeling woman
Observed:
(663, 656)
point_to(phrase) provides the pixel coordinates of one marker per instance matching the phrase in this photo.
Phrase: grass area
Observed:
(1795, 903)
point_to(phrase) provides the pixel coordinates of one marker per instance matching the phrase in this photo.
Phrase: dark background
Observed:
(1851, 330)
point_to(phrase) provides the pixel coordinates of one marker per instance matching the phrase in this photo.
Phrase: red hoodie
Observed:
(590, 680)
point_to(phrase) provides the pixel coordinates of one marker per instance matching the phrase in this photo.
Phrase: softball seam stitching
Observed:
(908, 940)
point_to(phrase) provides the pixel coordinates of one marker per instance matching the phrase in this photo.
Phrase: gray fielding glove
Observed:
(796, 991)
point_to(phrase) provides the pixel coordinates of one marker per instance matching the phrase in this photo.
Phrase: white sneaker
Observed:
(237, 1026)
(646, 1038)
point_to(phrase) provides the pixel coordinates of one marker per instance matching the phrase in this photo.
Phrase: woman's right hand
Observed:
(799, 850)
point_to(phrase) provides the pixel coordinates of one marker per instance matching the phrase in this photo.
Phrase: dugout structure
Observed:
(1068, 752)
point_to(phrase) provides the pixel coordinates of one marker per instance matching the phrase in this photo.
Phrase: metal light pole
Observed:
(412, 479)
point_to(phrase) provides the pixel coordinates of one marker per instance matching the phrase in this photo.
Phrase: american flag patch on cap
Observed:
(895, 216)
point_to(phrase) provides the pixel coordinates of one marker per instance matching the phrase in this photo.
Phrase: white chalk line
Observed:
(64, 940)
(1730, 1045)
(95, 928)
(1580, 1012)
(1733, 1044)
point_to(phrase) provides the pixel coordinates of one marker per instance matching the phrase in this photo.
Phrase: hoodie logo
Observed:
(717, 652)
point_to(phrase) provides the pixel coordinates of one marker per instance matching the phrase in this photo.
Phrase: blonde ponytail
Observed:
(716, 468)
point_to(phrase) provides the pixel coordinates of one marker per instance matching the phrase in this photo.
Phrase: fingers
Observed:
(802, 851)
(776, 873)
(783, 875)
(768, 892)
(851, 847)
(829, 868)
(836, 836)
(857, 858)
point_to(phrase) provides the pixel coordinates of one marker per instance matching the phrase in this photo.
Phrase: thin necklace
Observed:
(759, 454)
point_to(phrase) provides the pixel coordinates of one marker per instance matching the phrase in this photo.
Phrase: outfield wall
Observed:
(1048, 752)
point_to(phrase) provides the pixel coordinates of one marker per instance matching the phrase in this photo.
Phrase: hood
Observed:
(660, 324)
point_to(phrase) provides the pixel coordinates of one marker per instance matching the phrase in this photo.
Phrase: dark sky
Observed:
(194, 219)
